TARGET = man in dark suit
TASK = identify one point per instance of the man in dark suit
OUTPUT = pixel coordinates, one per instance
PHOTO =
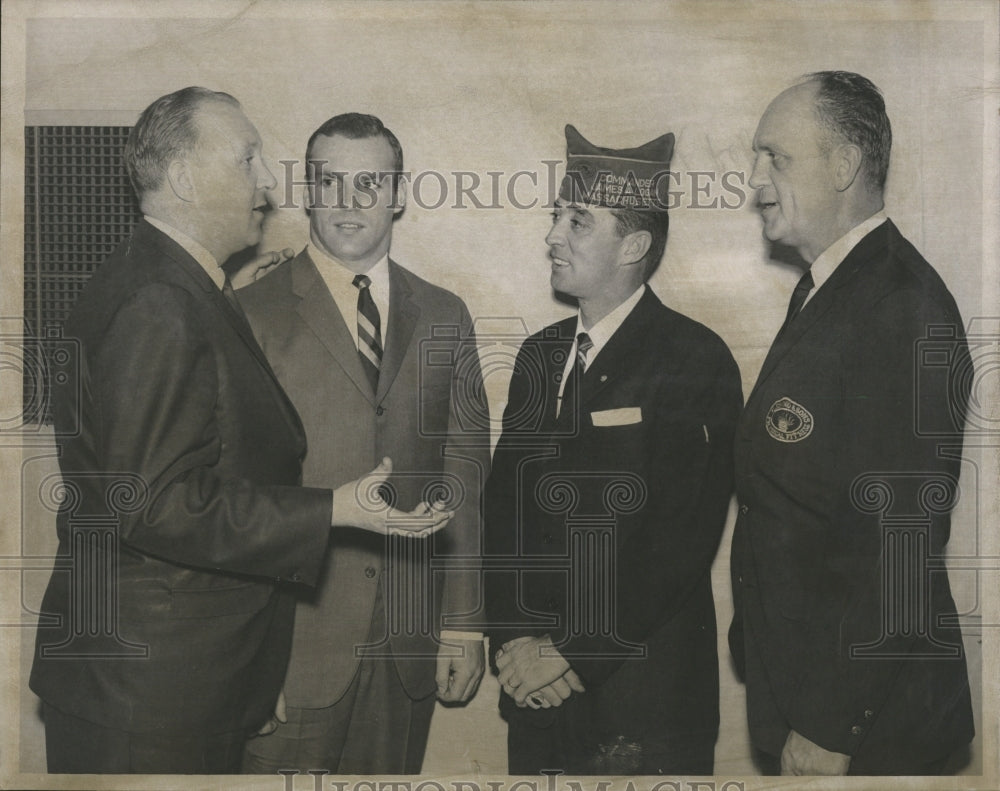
(163, 637)
(378, 362)
(845, 625)
(610, 487)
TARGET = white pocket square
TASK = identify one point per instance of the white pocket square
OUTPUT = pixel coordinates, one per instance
(625, 416)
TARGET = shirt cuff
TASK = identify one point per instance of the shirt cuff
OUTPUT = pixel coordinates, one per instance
(448, 634)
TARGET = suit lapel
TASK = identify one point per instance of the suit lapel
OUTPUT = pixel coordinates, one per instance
(553, 352)
(830, 294)
(317, 308)
(194, 274)
(185, 268)
(405, 313)
(616, 358)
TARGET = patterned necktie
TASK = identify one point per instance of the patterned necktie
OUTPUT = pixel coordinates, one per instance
(369, 331)
(805, 285)
(583, 345)
(569, 396)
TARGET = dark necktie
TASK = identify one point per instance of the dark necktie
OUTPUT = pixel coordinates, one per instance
(234, 303)
(805, 285)
(572, 386)
(369, 331)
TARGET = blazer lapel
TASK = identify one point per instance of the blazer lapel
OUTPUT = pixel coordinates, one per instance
(554, 352)
(405, 313)
(319, 311)
(192, 271)
(830, 294)
(616, 358)
(185, 267)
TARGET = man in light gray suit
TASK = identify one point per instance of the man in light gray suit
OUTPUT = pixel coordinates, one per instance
(378, 362)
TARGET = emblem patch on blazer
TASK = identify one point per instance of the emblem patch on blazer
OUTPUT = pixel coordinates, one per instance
(788, 421)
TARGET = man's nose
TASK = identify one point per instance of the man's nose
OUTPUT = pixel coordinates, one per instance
(265, 178)
(758, 176)
(356, 193)
(555, 236)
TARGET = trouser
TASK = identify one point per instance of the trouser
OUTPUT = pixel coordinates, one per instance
(76, 746)
(375, 728)
(568, 741)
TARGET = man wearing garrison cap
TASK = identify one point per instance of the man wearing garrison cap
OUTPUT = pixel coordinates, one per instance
(608, 496)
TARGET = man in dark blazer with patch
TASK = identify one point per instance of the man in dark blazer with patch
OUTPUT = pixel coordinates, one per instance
(163, 637)
(610, 487)
(847, 464)
(378, 362)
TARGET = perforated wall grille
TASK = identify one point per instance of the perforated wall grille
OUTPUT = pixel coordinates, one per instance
(78, 206)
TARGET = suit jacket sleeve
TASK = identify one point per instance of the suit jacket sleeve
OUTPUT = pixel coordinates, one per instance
(467, 459)
(689, 481)
(839, 692)
(158, 380)
(502, 498)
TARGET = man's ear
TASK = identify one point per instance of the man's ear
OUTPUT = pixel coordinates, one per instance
(846, 165)
(180, 181)
(307, 196)
(401, 193)
(635, 246)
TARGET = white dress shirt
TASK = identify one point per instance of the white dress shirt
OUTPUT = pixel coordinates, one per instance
(204, 258)
(340, 282)
(834, 255)
(599, 335)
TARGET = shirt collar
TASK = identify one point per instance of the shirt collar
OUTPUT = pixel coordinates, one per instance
(602, 331)
(378, 274)
(204, 258)
(834, 255)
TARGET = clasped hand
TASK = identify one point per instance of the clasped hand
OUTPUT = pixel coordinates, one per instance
(801, 756)
(360, 504)
(535, 674)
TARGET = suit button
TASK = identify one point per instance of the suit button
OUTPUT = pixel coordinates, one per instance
(869, 714)
(856, 730)
(369, 572)
(380, 411)
(744, 509)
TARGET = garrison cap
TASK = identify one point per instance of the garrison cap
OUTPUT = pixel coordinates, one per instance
(627, 178)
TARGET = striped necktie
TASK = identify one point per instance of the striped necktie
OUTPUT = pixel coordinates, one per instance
(583, 345)
(572, 387)
(369, 331)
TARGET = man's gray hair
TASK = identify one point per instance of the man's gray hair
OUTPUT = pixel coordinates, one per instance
(852, 108)
(165, 131)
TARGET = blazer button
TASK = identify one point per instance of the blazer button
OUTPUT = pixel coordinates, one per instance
(369, 572)
(379, 411)
(869, 714)
(856, 730)
(744, 509)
